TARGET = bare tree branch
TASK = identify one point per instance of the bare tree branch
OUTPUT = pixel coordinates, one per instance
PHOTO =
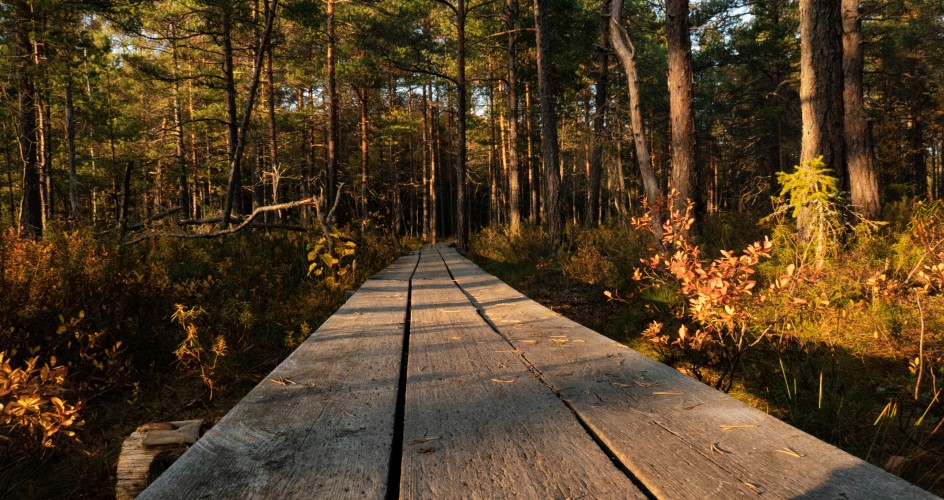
(230, 230)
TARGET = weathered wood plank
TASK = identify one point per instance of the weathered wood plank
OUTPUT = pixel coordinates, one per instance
(400, 270)
(479, 425)
(431, 266)
(679, 437)
(321, 425)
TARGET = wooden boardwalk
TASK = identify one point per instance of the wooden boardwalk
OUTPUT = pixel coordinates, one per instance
(437, 380)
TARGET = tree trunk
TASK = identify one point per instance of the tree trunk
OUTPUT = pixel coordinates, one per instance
(821, 83)
(511, 118)
(918, 152)
(682, 115)
(365, 151)
(70, 149)
(425, 153)
(623, 46)
(549, 146)
(534, 185)
(183, 186)
(863, 178)
(494, 215)
(821, 93)
(433, 162)
(275, 166)
(31, 208)
(599, 119)
(233, 190)
(333, 122)
(462, 223)
(125, 198)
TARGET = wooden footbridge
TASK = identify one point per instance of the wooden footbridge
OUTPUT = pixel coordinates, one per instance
(437, 380)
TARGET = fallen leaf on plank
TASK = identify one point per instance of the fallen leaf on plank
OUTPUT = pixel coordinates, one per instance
(502, 381)
(668, 393)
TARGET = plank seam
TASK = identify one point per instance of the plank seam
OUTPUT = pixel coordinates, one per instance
(622, 467)
(399, 415)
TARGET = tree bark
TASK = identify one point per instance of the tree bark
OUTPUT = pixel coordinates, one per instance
(425, 153)
(623, 46)
(534, 185)
(511, 118)
(333, 104)
(365, 151)
(232, 190)
(599, 118)
(681, 111)
(863, 178)
(549, 146)
(183, 186)
(462, 223)
(821, 86)
(70, 149)
(234, 187)
(274, 166)
(433, 162)
(31, 208)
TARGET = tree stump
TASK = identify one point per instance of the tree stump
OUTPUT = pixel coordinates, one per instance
(149, 451)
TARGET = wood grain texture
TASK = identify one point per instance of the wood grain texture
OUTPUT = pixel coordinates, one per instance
(478, 424)
(431, 266)
(320, 425)
(400, 270)
(680, 438)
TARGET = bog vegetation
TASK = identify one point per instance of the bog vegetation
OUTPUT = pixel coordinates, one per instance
(187, 188)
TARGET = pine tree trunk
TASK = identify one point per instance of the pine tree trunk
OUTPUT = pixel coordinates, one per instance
(333, 122)
(534, 176)
(549, 145)
(821, 86)
(232, 199)
(365, 152)
(433, 162)
(462, 211)
(623, 46)
(599, 118)
(183, 186)
(863, 178)
(511, 118)
(275, 167)
(31, 208)
(681, 111)
(70, 149)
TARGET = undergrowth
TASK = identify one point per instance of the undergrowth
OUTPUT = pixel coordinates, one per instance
(96, 339)
(843, 338)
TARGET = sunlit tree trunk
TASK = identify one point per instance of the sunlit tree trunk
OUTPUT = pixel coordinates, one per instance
(511, 117)
(863, 178)
(681, 111)
(549, 146)
(623, 46)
